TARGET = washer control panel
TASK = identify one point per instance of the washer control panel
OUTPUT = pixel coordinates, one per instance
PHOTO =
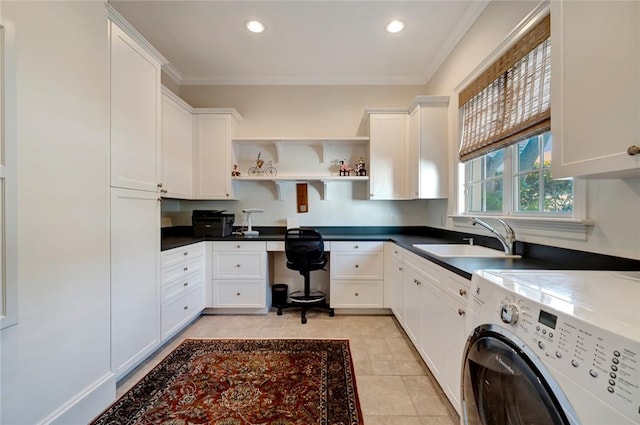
(604, 363)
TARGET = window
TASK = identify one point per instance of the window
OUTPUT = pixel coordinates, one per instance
(517, 180)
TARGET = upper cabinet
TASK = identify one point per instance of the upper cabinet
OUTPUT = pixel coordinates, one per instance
(427, 159)
(135, 114)
(177, 146)
(408, 150)
(214, 157)
(387, 135)
(595, 99)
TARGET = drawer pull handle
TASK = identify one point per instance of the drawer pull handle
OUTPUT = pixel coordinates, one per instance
(186, 307)
(238, 266)
(400, 269)
(186, 269)
(357, 266)
(186, 253)
(238, 294)
(355, 247)
(460, 312)
(462, 292)
(185, 284)
(357, 294)
(395, 252)
(633, 150)
(238, 246)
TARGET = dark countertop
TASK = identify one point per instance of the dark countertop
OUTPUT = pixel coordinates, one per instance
(534, 256)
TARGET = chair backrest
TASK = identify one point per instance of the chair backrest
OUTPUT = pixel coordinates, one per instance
(304, 249)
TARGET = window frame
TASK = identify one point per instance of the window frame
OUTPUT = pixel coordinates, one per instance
(571, 228)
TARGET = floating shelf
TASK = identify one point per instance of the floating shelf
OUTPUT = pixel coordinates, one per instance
(281, 181)
(281, 142)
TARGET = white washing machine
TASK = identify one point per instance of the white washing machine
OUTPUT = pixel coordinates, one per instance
(552, 347)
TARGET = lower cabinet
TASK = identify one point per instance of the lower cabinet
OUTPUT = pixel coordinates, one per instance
(357, 275)
(182, 287)
(434, 318)
(393, 284)
(239, 275)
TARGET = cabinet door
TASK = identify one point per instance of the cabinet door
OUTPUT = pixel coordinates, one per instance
(386, 156)
(135, 115)
(213, 156)
(412, 304)
(595, 88)
(427, 149)
(177, 149)
(135, 288)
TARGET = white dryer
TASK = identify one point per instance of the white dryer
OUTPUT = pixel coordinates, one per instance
(552, 347)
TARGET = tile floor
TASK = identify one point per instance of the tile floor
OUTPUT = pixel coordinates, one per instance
(394, 385)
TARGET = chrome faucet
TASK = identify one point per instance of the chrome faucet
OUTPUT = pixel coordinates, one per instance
(507, 240)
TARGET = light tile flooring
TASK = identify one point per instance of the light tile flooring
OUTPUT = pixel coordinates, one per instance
(394, 385)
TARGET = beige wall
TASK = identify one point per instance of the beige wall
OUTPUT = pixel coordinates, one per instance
(300, 111)
(613, 204)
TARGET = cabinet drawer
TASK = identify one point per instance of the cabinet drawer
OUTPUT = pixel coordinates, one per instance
(394, 251)
(239, 265)
(181, 271)
(357, 246)
(179, 286)
(455, 286)
(239, 246)
(357, 265)
(241, 293)
(180, 309)
(357, 294)
(174, 256)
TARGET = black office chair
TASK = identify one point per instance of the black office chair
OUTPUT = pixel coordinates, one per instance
(305, 252)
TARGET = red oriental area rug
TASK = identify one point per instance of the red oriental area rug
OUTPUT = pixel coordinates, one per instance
(245, 382)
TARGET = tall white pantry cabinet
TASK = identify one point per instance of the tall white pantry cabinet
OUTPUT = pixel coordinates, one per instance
(135, 201)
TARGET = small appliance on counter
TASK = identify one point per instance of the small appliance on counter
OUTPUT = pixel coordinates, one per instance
(212, 223)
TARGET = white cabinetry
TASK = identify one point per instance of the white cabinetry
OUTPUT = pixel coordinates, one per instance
(426, 153)
(434, 319)
(386, 154)
(135, 114)
(182, 287)
(595, 88)
(393, 284)
(239, 275)
(177, 146)
(214, 157)
(357, 275)
(135, 292)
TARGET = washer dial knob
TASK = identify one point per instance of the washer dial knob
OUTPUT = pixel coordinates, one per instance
(509, 313)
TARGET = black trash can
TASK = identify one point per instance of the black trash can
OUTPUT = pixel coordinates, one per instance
(279, 294)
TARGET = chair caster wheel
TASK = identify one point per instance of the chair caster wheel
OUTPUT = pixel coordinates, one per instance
(279, 312)
(304, 320)
(331, 313)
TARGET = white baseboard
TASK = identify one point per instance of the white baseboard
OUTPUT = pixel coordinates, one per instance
(86, 405)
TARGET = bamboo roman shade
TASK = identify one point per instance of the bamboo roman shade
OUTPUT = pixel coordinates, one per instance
(511, 99)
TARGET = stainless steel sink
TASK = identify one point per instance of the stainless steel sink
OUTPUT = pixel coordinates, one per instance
(462, 250)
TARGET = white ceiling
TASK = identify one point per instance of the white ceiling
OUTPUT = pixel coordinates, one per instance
(305, 42)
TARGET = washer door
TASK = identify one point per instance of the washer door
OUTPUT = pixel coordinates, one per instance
(503, 384)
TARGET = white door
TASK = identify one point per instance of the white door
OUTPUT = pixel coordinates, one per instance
(386, 156)
(177, 149)
(135, 288)
(213, 143)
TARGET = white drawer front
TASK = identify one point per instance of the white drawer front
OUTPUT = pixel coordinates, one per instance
(181, 271)
(394, 251)
(180, 286)
(239, 265)
(241, 294)
(455, 286)
(357, 246)
(239, 246)
(176, 311)
(357, 294)
(357, 265)
(174, 256)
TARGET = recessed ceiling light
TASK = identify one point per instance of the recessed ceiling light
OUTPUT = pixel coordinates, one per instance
(255, 26)
(395, 26)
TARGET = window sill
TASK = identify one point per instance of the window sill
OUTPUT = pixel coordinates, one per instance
(574, 229)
